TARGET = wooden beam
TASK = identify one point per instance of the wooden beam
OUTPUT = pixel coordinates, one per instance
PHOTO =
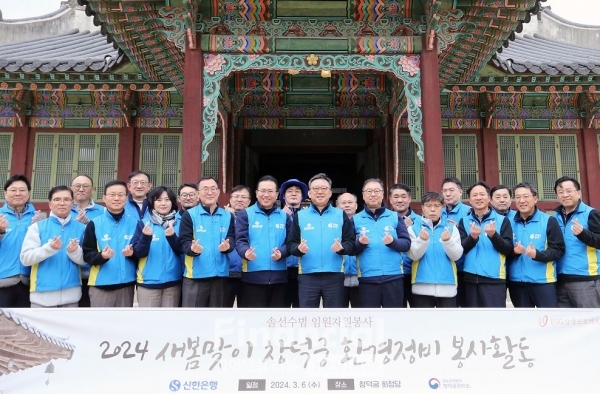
(432, 118)
(192, 135)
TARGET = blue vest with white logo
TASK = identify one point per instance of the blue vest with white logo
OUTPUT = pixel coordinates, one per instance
(435, 267)
(10, 246)
(264, 234)
(210, 231)
(484, 259)
(161, 265)
(118, 269)
(377, 259)
(320, 232)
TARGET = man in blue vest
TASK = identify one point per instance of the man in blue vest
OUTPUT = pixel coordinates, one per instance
(538, 243)
(106, 247)
(238, 201)
(381, 238)
(455, 209)
(206, 234)
(435, 247)
(291, 195)
(260, 233)
(51, 248)
(321, 235)
(578, 276)
(487, 239)
(138, 186)
(16, 215)
(501, 199)
(400, 198)
(348, 203)
(83, 210)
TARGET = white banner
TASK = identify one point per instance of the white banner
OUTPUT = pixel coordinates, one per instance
(299, 350)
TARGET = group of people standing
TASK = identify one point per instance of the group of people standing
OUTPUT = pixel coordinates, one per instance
(184, 249)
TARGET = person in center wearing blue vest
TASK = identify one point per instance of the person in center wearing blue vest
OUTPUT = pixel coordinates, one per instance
(400, 198)
(260, 233)
(348, 203)
(291, 195)
(435, 247)
(452, 190)
(487, 240)
(51, 248)
(106, 247)
(156, 245)
(538, 244)
(206, 234)
(321, 234)
(578, 283)
(381, 238)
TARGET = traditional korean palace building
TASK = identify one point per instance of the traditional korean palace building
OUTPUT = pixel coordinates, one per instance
(404, 90)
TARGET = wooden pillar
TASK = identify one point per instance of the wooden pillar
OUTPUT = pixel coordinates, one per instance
(432, 118)
(23, 141)
(491, 168)
(192, 135)
(590, 163)
(128, 155)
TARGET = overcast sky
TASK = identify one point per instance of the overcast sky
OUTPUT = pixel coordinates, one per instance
(582, 11)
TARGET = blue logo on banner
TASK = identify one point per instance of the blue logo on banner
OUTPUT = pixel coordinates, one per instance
(434, 383)
(174, 385)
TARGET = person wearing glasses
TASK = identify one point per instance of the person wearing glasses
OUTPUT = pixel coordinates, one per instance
(291, 195)
(138, 186)
(83, 210)
(239, 200)
(538, 243)
(578, 276)
(381, 238)
(16, 215)
(206, 234)
(260, 233)
(51, 247)
(321, 235)
(187, 196)
(106, 247)
(435, 247)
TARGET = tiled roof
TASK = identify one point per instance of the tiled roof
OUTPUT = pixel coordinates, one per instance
(538, 55)
(72, 51)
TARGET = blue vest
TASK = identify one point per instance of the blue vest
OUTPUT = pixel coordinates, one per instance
(579, 259)
(460, 211)
(210, 231)
(57, 272)
(435, 267)
(10, 246)
(118, 269)
(377, 259)
(523, 268)
(406, 261)
(350, 267)
(320, 232)
(264, 234)
(161, 265)
(484, 259)
(91, 212)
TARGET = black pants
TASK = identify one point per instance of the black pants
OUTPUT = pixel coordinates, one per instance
(84, 302)
(233, 290)
(351, 297)
(263, 296)
(461, 299)
(382, 295)
(485, 295)
(291, 290)
(15, 296)
(423, 301)
(530, 295)
(407, 290)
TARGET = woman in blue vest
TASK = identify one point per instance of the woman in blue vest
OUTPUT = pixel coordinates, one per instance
(156, 245)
